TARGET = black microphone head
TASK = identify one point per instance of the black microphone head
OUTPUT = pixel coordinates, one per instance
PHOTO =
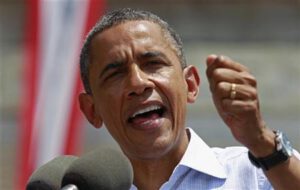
(102, 169)
(49, 175)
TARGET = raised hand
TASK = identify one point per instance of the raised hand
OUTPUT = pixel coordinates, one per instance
(234, 92)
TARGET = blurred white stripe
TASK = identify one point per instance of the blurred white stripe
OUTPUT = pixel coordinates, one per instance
(62, 25)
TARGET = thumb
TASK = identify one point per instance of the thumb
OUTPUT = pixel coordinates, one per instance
(211, 59)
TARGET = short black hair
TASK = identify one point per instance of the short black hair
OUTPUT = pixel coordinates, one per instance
(119, 16)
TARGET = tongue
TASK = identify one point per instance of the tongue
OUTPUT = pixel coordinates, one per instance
(142, 118)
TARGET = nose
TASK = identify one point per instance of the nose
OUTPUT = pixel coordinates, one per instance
(137, 82)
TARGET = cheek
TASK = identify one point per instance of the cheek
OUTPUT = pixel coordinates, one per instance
(109, 110)
(170, 76)
(110, 92)
(173, 86)
(178, 89)
(109, 104)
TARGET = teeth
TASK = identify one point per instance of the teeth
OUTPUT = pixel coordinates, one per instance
(147, 109)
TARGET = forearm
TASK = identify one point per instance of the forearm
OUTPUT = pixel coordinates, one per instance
(286, 175)
(283, 176)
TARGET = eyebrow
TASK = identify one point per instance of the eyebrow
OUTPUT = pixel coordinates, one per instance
(119, 63)
(111, 66)
(152, 54)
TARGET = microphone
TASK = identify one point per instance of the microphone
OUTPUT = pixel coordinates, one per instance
(49, 175)
(102, 169)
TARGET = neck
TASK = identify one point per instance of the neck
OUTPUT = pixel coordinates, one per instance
(151, 174)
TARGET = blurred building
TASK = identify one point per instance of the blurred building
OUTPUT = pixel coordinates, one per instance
(263, 35)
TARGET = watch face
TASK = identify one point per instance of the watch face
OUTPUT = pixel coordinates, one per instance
(286, 145)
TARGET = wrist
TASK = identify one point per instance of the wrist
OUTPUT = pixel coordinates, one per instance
(283, 151)
(264, 145)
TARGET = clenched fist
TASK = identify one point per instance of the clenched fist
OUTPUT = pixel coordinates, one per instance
(234, 92)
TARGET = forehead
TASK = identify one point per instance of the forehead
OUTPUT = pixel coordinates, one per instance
(140, 31)
(132, 27)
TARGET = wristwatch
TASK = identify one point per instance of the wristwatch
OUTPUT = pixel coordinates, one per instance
(282, 153)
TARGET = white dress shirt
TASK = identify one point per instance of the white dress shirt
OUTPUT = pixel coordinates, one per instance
(203, 168)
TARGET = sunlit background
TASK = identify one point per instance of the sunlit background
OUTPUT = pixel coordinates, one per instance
(263, 35)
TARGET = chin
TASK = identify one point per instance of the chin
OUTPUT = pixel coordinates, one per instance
(159, 149)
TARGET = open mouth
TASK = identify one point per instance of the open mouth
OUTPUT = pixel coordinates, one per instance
(149, 113)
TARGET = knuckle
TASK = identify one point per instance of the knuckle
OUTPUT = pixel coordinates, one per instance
(253, 82)
(250, 107)
(220, 88)
(216, 73)
(221, 85)
(249, 79)
(252, 94)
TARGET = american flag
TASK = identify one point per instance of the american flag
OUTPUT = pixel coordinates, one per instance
(50, 116)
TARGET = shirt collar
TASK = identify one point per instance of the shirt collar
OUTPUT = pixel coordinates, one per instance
(200, 157)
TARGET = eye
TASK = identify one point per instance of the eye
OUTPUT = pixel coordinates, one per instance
(113, 75)
(154, 63)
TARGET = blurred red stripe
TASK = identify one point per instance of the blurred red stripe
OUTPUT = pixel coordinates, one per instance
(26, 155)
(95, 10)
(29, 92)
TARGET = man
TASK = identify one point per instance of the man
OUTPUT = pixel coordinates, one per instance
(138, 84)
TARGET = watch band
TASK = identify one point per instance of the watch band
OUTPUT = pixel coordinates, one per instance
(267, 162)
(281, 153)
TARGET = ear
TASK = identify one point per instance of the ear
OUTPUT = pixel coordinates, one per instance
(192, 79)
(87, 106)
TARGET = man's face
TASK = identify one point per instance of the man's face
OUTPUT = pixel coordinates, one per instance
(139, 89)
